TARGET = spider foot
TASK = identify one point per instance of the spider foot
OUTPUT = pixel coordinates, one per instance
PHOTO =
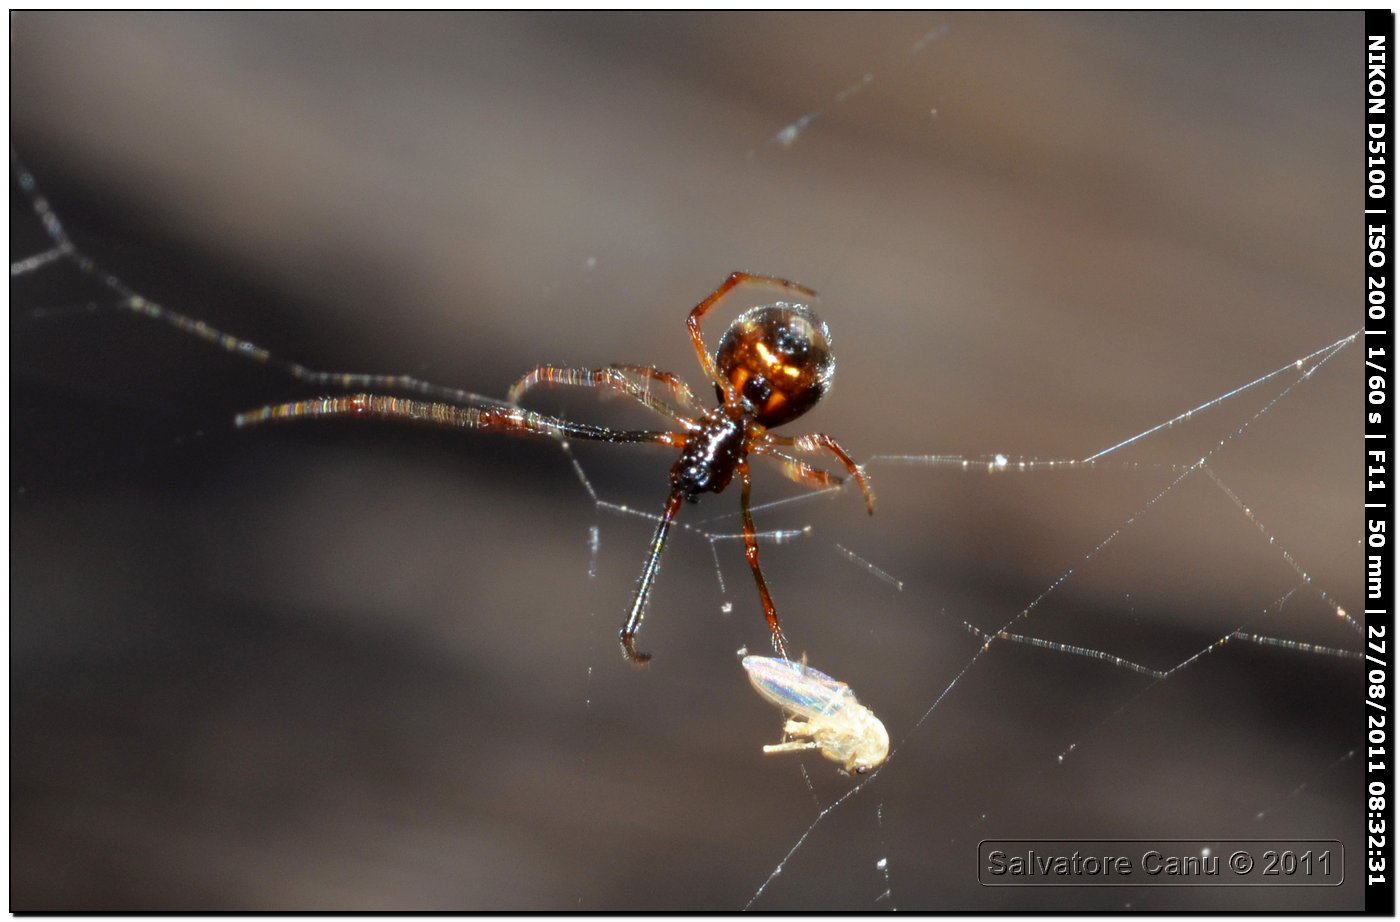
(630, 652)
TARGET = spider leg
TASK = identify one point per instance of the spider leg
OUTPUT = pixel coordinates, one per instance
(735, 279)
(490, 418)
(595, 377)
(627, 636)
(818, 441)
(797, 470)
(770, 611)
(679, 389)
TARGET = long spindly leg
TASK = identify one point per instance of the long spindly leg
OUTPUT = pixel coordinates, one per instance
(735, 279)
(770, 611)
(679, 389)
(491, 418)
(613, 378)
(799, 471)
(818, 441)
(627, 636)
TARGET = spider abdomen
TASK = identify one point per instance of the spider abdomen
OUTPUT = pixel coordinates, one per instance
(778, 358)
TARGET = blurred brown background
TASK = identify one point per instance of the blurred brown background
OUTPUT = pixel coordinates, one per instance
(351, 666)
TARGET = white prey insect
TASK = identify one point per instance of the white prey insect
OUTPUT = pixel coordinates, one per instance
(834, 722)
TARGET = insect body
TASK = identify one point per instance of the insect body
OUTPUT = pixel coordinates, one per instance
(832, 720)
(773, 364)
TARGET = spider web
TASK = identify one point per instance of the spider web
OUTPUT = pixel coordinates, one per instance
(351, 665)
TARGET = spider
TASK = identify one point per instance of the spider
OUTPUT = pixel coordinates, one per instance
(773, 364)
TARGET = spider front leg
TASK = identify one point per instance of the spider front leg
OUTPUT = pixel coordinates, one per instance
(613, 378)
(735, 279)
(679, 389)
(770, 611)
(487, 418)
(818, 441)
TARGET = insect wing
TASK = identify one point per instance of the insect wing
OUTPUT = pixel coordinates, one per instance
(800, 689)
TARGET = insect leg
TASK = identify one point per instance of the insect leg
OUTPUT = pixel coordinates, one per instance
(791, 746)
